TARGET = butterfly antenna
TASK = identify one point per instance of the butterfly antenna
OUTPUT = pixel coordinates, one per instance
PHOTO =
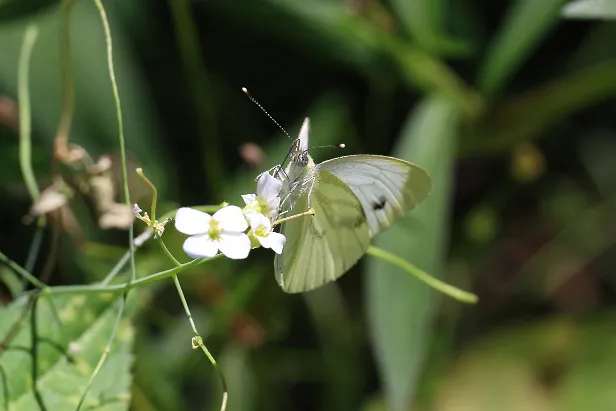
(293, 148)
(341, 145)
(245, 90)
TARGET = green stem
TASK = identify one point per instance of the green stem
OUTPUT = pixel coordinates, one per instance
(138, 242)
(438, 285)
(25, 140)
(35, 246)
(116, 97)
(22, 272)
(167, 252)
(139, 172)
(124, 259)
(106, 351)
(68, 83)
(131, 245)
(25, 114)
(200, 343)
(116, 268)
(100, 289)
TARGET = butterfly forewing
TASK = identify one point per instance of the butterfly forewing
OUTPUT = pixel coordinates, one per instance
(321, 248)
(387, 187)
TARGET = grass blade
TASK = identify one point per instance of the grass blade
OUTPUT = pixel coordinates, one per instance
(400, 308)
(590, 9)
(526, 23)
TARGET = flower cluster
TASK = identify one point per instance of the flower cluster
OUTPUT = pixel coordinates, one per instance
(225, 230)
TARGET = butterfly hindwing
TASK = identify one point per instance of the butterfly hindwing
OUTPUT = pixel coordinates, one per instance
(321, 248)
(387, 187)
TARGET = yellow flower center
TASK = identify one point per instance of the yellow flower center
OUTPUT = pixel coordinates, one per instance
(215, 230)
(253, 206)
(261, 231)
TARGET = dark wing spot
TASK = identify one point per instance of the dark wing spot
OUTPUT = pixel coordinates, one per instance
(379, 204)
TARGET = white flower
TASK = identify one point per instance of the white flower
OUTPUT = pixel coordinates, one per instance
(267, 199)
(223, 231)
(262, 230)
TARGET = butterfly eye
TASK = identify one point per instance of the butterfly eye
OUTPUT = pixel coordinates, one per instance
(303, 157)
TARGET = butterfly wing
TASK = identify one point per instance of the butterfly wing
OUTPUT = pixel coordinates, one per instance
(387, 187)
(321, 248)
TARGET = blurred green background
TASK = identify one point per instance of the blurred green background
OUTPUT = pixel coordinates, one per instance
(510, 107)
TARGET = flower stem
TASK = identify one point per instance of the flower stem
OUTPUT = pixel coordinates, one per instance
(131, 245)
(198, 342)
(115, 288)
(106, 351)
(167, 252)
(25, 115)
(68, 85)
(116, 97)
(22, 272)
(453, 292)
(142, 238)
(293, 217)
(139, 172)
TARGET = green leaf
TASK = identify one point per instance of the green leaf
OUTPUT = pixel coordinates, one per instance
(425, 20)
(526, 24)
(590, 9)
(68, 335)
(400, 308)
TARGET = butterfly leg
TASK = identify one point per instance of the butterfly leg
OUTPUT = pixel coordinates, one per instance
(311, 182)
(283, 202)
(276, 169)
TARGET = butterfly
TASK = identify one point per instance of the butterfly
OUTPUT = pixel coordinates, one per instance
(354, 198)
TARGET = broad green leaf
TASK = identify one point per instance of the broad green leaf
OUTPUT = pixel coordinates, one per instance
(525, 25)
(425, 20)
(67, 348)
(400, 309)
(590, 9)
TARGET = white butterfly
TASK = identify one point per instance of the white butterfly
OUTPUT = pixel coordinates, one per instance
(354, 198)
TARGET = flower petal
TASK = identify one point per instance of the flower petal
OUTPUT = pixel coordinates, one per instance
(258, 220)
(273, 205)
(268, 187)
(199, 246)
(191, 222)
(275, 241)
(231, 218)
(249, 198)
(235, 246)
